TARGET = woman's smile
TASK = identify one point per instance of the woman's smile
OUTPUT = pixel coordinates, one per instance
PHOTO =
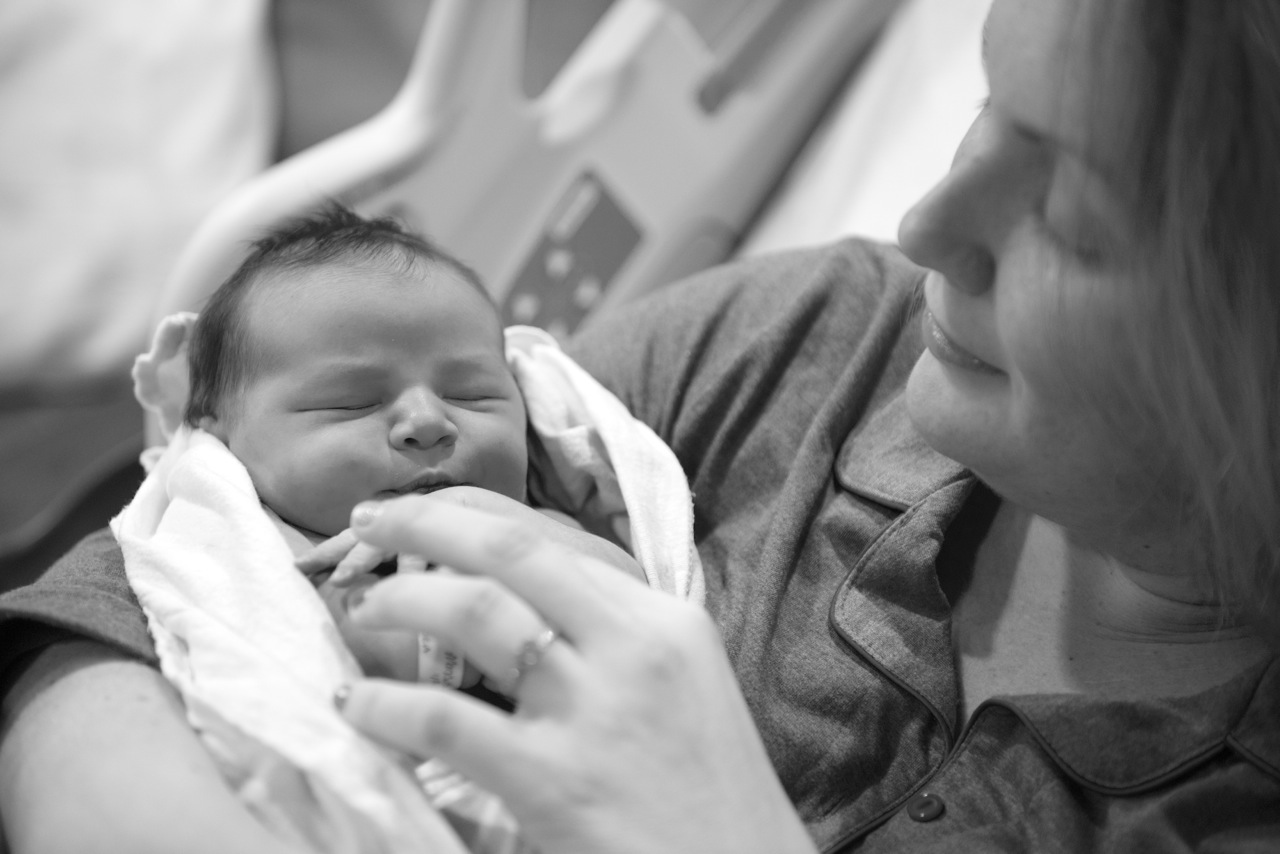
(946, 350)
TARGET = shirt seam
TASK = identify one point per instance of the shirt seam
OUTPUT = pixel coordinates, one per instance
(1253, 757)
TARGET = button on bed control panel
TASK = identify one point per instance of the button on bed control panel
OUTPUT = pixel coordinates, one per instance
(587, 240)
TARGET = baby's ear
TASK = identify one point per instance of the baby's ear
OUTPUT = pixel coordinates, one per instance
(160, 375)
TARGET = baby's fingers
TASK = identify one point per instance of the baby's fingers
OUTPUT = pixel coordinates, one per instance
(362, 558)
(327, 554)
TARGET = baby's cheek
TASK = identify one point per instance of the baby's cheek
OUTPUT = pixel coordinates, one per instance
(320, 496)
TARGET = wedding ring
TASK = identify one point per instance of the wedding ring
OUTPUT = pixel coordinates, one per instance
(530, 655)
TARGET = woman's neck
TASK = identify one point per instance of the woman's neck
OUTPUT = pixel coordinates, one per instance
(1043, 612)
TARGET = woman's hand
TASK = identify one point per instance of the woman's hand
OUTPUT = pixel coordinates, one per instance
(630, 733)
(350, 557)
(347, 556)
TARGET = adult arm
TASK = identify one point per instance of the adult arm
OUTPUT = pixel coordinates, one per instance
(630, 733)
(96, 756)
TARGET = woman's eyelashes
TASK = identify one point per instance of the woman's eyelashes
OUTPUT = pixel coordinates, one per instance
(1080, 251)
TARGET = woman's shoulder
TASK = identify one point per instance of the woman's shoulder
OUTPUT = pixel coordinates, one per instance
(852, 271)
(755, 308)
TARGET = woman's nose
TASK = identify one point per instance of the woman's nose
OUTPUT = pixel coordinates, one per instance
(953, 228)
(421, 421)
(943, 231)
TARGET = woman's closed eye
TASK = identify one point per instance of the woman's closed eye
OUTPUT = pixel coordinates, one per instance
(1078, 249)
(1080, 218)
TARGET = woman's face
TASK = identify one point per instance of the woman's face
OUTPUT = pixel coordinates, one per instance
(1031, 239)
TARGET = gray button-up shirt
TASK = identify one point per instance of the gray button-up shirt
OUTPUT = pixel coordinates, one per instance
(823, 521)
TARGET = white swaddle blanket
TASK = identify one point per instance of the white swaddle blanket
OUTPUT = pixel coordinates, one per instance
(253, 651)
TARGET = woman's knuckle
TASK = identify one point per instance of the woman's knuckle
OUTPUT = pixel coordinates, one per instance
(573, 783)
(438, 734)
(510, 542)
(664, 648)
(482, 605)
(660, 659)
(694, 623)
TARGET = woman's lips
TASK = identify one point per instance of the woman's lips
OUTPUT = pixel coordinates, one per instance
(946, 350)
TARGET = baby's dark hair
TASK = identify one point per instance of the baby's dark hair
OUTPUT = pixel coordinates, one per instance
(220, 358)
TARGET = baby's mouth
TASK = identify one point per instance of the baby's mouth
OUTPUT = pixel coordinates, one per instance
(422, 486)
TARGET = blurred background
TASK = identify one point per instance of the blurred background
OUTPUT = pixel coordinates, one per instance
(585, 151)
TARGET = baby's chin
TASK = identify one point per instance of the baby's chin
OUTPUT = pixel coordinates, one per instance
(320, 533)
(317, 530)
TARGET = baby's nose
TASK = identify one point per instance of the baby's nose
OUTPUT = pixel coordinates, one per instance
(422, 421)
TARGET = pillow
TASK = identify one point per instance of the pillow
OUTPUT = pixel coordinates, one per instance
(125, 122)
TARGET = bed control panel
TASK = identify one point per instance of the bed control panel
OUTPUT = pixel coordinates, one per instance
(587, 240)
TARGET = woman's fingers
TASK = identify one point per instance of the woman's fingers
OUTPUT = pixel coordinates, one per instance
(510, 755)
(578, 594)
(567, 531)
(492, 628)
(655, 748)
(478, 740)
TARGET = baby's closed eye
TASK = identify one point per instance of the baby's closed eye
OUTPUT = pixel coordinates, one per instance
(339, 405)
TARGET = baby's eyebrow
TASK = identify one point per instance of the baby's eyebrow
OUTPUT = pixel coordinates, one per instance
(327, 375)
(346, 368)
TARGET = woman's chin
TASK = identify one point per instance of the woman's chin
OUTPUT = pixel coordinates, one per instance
(959, 416)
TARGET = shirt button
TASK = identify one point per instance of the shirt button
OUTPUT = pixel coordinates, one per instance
(925, 806)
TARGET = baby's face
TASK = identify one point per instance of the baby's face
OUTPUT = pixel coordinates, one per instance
(370, 384)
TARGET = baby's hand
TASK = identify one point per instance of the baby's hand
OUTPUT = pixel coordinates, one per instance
(347, 555)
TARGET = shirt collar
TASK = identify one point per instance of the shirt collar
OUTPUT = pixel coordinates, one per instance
(888, 461)
(1109, 745)
(1128, 746)
(897, 615)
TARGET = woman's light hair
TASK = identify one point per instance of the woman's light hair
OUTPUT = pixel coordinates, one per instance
(1206, 327)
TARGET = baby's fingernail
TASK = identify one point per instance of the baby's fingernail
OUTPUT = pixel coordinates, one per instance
(341, 696)
(354, 598)
(365, 513)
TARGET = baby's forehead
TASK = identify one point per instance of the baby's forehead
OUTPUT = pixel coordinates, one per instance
(421, 280)
(344, 299)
